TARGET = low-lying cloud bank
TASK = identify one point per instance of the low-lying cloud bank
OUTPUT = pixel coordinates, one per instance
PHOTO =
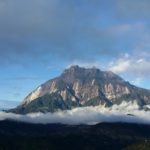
(126, 112)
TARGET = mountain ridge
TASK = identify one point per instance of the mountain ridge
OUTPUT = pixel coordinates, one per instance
(78, 87)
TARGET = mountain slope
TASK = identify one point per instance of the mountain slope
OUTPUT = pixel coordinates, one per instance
(77, 87)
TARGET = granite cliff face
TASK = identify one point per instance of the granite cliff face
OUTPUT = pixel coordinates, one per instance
(77, 87)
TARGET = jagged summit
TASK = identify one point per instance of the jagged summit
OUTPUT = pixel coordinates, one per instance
(77, 72)
(78, 87)
(81, 71)
(76, 68)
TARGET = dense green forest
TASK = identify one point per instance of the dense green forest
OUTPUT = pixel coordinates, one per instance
(104, 136)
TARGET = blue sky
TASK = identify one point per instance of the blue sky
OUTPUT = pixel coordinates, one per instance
(38, 39)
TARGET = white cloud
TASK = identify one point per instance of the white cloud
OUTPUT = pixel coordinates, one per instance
(137, 67)
(87, 115)
(140, 60)
(120, 66)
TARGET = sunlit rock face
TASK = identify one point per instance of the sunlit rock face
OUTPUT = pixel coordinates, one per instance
(77, 87)
(115, 91)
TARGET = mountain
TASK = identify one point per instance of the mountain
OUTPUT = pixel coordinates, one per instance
(78, 87)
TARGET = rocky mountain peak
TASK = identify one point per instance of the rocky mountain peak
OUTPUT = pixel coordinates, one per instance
(78, 86)
(70, 75)
(81, 72)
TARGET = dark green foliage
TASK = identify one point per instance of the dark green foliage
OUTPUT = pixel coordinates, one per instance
(130, 98)
(145, 145)
(97, 101)
(104, 136)
(93, 102)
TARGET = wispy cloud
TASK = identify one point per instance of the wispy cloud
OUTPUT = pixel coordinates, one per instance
(133, 66)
